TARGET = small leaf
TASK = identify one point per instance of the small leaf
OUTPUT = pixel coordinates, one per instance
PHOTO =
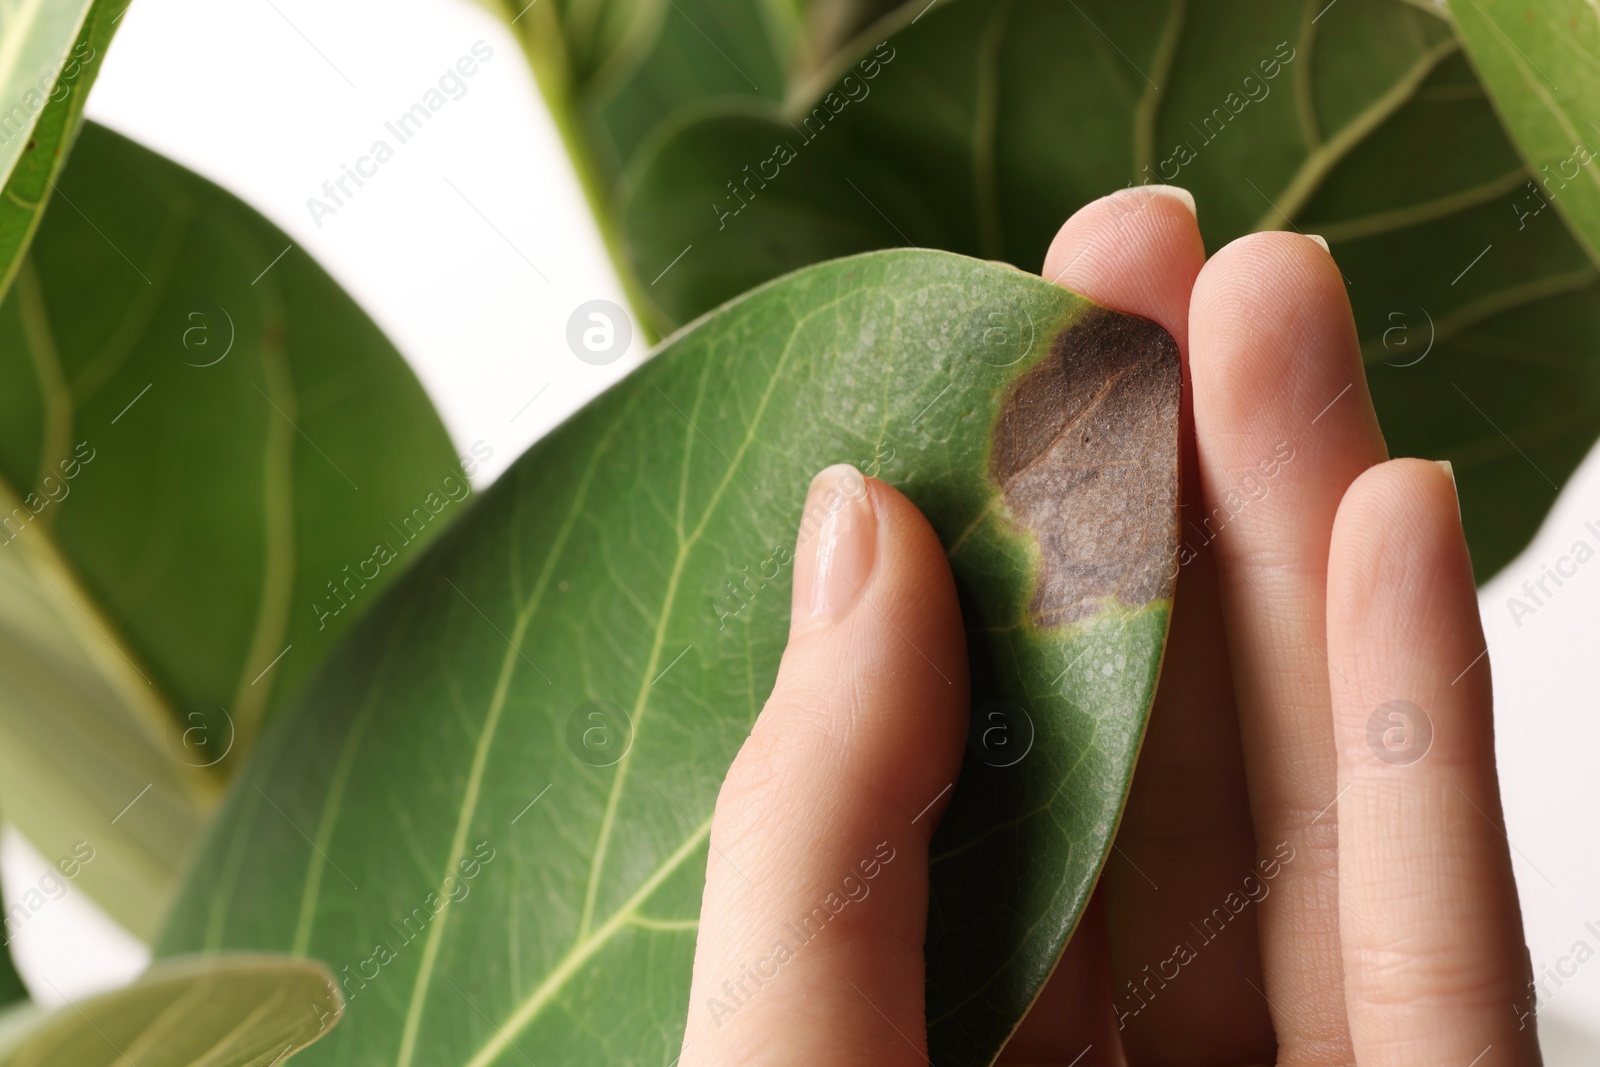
(203, 442)
(493, 879)
(230, 1011)
(51, 57)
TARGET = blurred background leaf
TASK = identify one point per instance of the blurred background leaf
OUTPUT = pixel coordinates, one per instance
(978, 126)
(203, 445)
(216, 1011)
(613, 71)
(50, 52)
(1541, 65)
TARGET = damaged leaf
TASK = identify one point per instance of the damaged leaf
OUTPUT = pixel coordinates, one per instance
(525, 894)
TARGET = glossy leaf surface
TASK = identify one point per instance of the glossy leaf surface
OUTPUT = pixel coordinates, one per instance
(505, 777)
(201, 440)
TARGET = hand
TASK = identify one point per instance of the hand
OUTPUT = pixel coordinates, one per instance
(1291, 882)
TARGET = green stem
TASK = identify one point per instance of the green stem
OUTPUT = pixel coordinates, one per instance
(542, 46)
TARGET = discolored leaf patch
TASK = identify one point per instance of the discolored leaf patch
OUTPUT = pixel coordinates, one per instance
(1086, 452)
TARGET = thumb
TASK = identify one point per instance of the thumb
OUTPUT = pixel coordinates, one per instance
(816, 898)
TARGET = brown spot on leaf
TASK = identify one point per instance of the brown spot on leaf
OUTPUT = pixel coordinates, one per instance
(1086, 454)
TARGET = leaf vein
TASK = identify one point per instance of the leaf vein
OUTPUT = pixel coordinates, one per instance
(1319, 163)
(480, 756)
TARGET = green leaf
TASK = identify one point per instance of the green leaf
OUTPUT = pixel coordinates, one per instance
(980, 125)
(231, 1011)
(613, 70)
(50, 54)
(188, 406)
(1538, 62)
(486, 887)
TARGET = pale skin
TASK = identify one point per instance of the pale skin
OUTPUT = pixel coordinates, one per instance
(1391, 938)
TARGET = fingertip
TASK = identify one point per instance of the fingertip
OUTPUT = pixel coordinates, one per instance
(1262, 305)
(876, 662)
(921, 574)
(836, 549)
(1137, 250)
(909, 624)
(1397, 534)
(1402, 606)
(1262, 271)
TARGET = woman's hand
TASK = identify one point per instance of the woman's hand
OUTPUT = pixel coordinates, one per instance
(1311, 869)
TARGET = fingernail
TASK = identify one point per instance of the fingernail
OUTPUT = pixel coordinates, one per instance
(1175, 192)
(1450, 472)
(836, 546)
(1323, 241)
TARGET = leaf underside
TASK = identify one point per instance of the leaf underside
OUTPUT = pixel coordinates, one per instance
(992, 120)
(482, 889)
(182, 435)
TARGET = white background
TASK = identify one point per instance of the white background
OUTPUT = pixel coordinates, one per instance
(445, 248)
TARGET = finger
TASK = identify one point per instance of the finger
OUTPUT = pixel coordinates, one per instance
(1283, 425)
(1435, 969)
(816, 895)
(1185, 842)
(1137, 250)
